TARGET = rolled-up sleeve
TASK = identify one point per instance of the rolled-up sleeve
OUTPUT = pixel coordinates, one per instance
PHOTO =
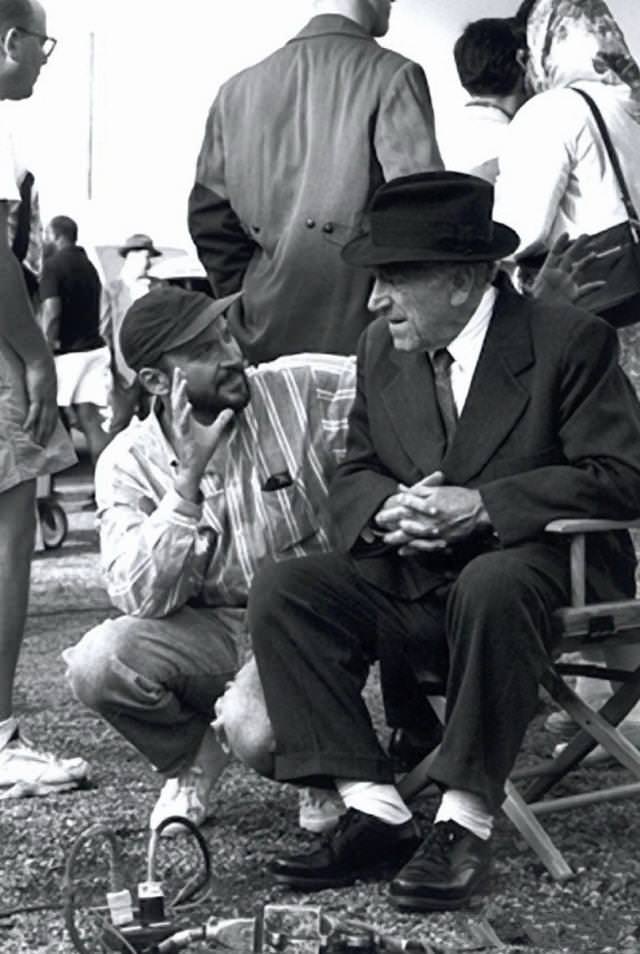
(153, 554)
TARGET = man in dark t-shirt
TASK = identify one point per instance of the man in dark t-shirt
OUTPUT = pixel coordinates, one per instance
(70, 290)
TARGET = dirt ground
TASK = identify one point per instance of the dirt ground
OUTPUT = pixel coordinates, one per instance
(596, 911)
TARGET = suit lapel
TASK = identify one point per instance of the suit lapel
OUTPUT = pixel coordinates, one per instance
(409, 397)
(496, 400)
(498, 396)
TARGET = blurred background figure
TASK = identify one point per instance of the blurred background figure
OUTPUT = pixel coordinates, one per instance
(118, 295)
(26, 228)
(293, 149)
(555, 176)
(181, 271)
(32, 439)
(70, 290)
(490, 57)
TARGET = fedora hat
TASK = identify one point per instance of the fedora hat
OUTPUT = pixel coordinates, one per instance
(431, 217)
(138, 242)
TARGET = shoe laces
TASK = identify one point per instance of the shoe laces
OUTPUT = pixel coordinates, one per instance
(344, 822)
(438, 842)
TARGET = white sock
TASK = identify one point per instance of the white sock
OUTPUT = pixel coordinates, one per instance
(7, 729)
(372, 798)
(467, 810)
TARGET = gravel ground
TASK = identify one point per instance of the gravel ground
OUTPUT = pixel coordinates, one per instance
(598, 910)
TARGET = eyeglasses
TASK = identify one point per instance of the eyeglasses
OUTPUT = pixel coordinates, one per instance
(48, 43)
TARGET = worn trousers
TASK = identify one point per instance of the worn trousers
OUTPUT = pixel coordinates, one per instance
(156, 680)
(316, 626)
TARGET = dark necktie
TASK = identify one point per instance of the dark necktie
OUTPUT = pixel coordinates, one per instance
(441, 362)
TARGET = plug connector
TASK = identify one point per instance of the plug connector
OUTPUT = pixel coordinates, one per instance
(150, 902)
(120, 907)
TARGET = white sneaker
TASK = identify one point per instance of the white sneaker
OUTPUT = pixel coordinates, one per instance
(26, 771)
(319, 810)
(187, 795)
(630, 729)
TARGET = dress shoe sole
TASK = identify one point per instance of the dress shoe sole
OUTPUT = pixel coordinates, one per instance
(302, 883)
(411, 902)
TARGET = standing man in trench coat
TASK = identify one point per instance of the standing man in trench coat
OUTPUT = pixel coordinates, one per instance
(294, 148)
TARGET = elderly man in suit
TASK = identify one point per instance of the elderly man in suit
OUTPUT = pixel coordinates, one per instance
(294, 147)
(479, 416)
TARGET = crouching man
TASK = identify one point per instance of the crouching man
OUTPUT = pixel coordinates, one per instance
(232, 466)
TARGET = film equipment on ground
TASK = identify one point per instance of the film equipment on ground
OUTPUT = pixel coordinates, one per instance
(144, 921)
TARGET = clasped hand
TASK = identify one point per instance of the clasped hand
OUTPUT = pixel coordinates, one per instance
(429, 516)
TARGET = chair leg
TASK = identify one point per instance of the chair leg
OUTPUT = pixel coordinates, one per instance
(596, 727)
(418, 778)
(521, 816)
(514, 807)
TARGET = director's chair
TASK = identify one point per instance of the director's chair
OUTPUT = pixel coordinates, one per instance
(581, 627)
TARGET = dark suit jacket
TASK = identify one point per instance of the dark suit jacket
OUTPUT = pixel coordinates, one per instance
(293, 149)
(550, 428)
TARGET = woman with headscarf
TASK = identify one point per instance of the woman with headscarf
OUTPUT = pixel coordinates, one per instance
(555, 175)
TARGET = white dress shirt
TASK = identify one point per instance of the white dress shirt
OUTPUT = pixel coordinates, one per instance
(466, 347)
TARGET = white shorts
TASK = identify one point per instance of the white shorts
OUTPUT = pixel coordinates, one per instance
(84, 377)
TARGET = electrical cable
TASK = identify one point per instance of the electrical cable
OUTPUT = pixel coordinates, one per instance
(69, 885)
(195, 884)
(190, 895)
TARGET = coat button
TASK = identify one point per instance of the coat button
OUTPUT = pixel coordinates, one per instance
(328, 227)
(310, 223)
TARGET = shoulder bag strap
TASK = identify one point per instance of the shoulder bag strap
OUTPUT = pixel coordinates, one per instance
(632, 215)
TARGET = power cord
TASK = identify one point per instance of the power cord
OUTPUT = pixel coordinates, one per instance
(187, 894)
(123, 927)
(69, 884)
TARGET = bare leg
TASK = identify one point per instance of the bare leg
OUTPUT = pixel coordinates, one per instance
(17, 533)
(90, 421)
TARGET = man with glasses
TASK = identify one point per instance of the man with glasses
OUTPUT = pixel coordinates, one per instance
(32, 440)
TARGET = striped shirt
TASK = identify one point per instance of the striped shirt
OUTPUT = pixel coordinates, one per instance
(264, 491)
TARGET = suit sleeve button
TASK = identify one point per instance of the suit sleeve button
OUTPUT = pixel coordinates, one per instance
(310, 223)
(328, 227)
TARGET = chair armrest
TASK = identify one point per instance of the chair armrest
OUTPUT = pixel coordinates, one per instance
(576, 528)
(569, 525)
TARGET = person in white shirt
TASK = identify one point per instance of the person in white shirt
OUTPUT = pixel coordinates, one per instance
(554, 173)
(555, 176)
(490, 57)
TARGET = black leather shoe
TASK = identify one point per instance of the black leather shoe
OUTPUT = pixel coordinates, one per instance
(449, 867)
(361, 846)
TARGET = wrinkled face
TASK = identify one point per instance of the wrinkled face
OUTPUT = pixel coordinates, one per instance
(381, 11)
(213, 365)
(420, 303)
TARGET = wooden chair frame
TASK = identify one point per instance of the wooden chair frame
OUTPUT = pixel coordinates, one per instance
(581, 627)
